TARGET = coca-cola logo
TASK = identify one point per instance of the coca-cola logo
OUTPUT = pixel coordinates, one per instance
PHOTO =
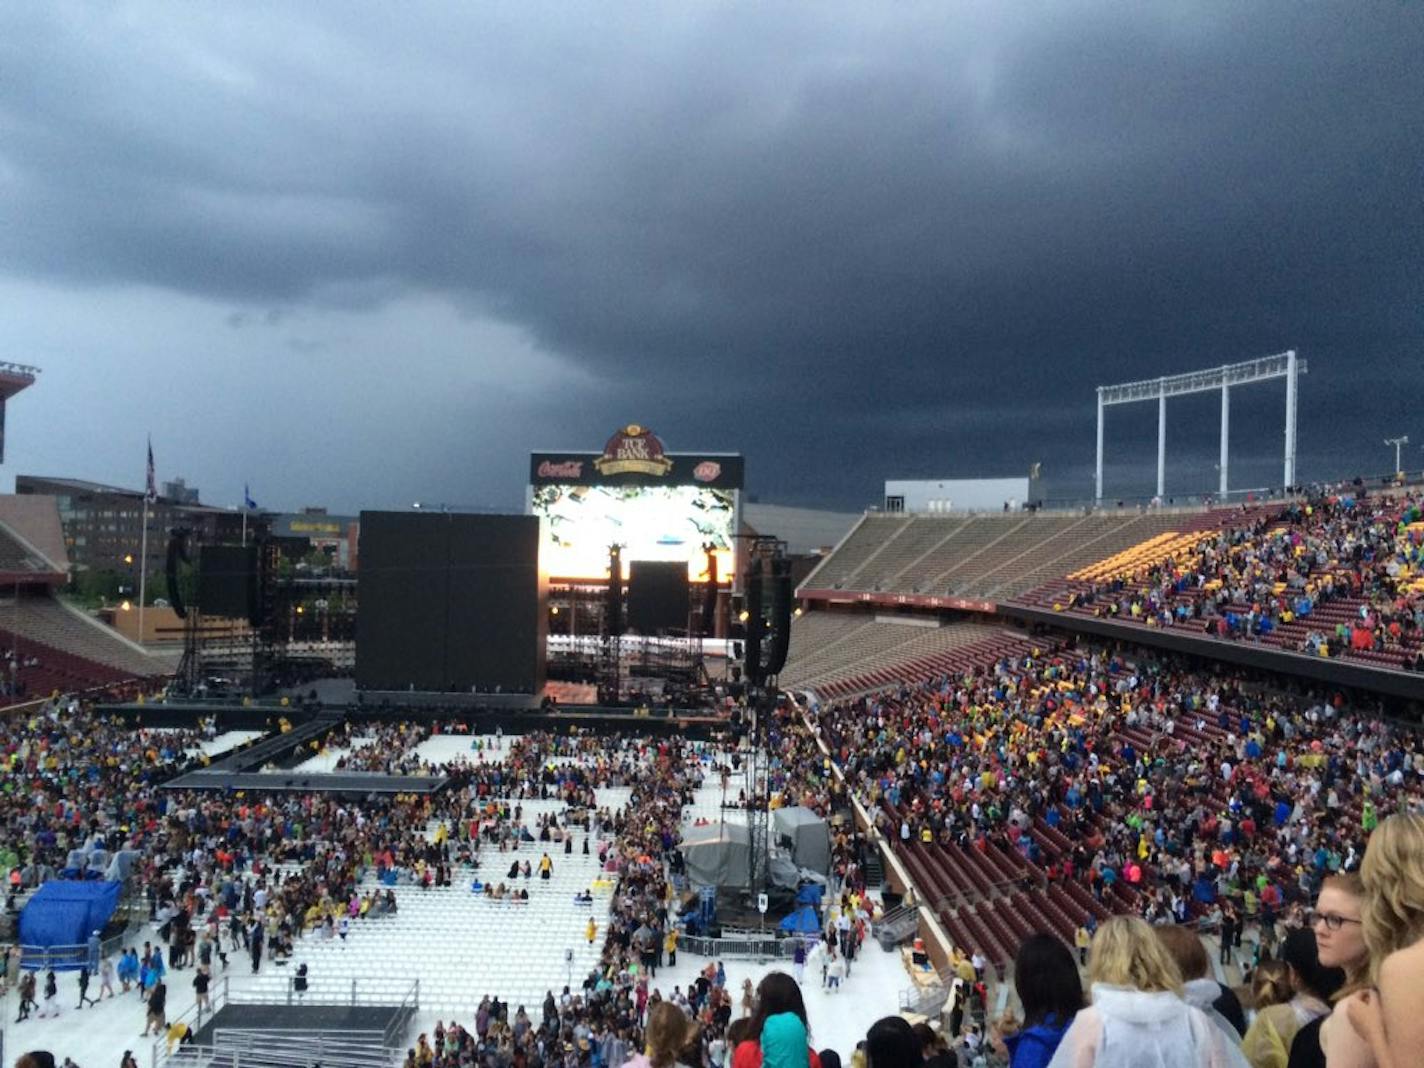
(707, 471)
(562, 469)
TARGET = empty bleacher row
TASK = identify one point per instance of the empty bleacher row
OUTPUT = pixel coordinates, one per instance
(838, 655)
(987, 556)
(56, 648)
(828, 646)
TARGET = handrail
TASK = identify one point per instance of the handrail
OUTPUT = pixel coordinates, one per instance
(69, 957)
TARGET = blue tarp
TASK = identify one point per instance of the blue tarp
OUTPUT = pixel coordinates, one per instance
(65, 913)
(810, 894)
(803, 921)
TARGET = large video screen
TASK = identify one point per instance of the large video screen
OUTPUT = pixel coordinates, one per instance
(577, 524)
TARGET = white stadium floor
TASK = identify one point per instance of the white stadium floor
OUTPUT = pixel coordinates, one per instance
(460, 947)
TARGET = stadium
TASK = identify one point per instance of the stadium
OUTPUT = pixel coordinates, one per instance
(731, 535)
(679, 757)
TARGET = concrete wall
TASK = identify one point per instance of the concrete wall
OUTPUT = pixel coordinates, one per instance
(959, 495)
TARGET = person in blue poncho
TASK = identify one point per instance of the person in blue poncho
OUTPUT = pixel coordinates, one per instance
(1051, 992)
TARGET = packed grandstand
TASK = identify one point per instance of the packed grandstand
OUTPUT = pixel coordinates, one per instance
(982, 711)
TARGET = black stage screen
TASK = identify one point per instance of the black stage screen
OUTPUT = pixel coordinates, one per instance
(227, 580)
(449, 603)
(657, 596)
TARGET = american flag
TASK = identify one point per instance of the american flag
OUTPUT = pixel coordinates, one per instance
(152, 481)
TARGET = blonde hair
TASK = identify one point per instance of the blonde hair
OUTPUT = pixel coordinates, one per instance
(666, 1033)
(1125, 952)
(1186, 949)
(1392, 911)
(1271, 985)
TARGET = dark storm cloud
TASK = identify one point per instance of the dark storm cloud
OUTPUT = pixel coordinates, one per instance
(906, 239)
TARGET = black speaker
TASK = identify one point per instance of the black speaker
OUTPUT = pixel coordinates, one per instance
(264, 600)
(227, 581)
(756, 625)
(177, 552)
(657, 596)
(780, 616)
(615, 592)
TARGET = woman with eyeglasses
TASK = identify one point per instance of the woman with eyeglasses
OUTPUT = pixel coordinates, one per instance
(1339, 943)
(1388, 1016)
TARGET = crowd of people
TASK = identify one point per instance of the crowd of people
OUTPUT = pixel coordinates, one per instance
(1208, 796)
(1279, 565)
(1221, 802)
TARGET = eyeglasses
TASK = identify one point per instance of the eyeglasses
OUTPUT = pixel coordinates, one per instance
(1331, 920)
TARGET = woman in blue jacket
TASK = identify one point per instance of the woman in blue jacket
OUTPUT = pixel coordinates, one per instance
(1051, 993)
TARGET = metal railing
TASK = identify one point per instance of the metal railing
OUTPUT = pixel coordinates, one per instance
(234, 1047)
(72, 957)
(192, 1017)
(302, 1049)
(766, 947)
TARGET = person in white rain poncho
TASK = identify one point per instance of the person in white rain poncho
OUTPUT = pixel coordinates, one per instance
(1139, 1018)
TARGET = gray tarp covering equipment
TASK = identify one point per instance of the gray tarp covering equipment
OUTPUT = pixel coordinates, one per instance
(717, 854)
(122, 864)
(806, 835)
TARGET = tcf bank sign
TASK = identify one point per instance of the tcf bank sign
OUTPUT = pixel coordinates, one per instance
(634, 450)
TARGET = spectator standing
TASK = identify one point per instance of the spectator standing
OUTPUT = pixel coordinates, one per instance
(51, 995)
(27, 996)
(1219, 1004)
(84, 988)
(1389, 1016)
(157, 1009)
(1340, 942)
(1138, 1015)
(891, 1043)
(664, 1038)
(1051, 994)
(777, 994)
(1307, 990)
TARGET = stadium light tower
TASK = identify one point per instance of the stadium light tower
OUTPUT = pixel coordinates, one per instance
(13, 378)
(1285, 365)
(1398, 444)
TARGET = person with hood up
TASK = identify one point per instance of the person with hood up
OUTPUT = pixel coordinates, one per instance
(1221, 1006)
(1139, 1017)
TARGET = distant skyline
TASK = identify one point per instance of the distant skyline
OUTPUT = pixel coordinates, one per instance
(364, 256)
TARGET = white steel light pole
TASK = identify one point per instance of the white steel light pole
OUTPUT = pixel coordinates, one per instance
(1226, 378)
(1398, 444)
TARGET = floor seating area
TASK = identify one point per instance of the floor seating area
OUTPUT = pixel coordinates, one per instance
(459, 944)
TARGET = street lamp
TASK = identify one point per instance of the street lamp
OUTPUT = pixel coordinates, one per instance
(1398, 443)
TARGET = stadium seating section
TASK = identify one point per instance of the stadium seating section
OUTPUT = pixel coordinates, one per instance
(989, 557)
(59, 649)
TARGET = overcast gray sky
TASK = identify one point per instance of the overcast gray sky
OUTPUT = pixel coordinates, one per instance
(361, 255)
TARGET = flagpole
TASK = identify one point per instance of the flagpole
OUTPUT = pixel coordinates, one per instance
(142, 568)
(244, 526)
